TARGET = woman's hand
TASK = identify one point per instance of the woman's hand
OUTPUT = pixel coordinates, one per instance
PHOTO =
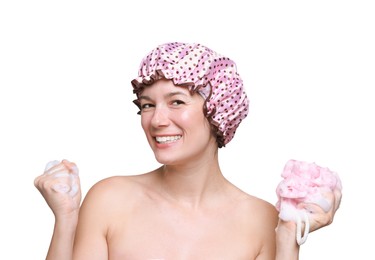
(319, 217)
(60, 187)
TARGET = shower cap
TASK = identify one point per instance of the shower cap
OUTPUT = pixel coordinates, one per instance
(201, 70)
(304, 182)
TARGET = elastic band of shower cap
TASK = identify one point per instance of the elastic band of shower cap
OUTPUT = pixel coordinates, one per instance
(204, 71)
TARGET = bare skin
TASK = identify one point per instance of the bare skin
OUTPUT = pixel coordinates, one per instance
(141, 221)
(185, 209)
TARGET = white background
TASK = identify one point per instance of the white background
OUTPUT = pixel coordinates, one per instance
(65, 72)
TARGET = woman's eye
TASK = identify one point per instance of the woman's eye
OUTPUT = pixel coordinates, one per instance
(145, 106)
(177, 102)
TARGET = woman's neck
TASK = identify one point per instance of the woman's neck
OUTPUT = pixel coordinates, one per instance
(193, 185)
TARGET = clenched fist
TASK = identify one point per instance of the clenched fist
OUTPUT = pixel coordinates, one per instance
(60, 187)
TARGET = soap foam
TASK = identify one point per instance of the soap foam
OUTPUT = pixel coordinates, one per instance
(67, 179)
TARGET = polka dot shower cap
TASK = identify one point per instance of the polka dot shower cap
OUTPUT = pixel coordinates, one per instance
(204, 71)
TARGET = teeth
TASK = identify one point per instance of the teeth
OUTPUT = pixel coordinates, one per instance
(167, 139)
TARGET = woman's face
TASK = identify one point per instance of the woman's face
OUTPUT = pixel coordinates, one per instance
(174, 123)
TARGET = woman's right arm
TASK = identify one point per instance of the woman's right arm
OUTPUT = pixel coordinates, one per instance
(60, 187)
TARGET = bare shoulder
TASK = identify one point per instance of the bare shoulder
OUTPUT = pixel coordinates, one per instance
(114, 184)
(257, 214)
(263, 209)
(258, 219)
(117, 190)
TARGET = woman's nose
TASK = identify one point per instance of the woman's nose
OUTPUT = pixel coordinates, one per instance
(160, 117)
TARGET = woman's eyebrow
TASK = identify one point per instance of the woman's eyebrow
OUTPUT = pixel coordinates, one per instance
(144, 97)
(175, 93)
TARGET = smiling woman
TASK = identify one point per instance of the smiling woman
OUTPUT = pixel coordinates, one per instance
(191, 102)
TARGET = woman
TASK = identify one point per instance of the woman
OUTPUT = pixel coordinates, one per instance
(191, 102)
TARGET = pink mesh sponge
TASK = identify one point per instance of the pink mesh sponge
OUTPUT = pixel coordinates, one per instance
(304, 182)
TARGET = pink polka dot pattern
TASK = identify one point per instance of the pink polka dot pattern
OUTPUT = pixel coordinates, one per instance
(203, 70)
